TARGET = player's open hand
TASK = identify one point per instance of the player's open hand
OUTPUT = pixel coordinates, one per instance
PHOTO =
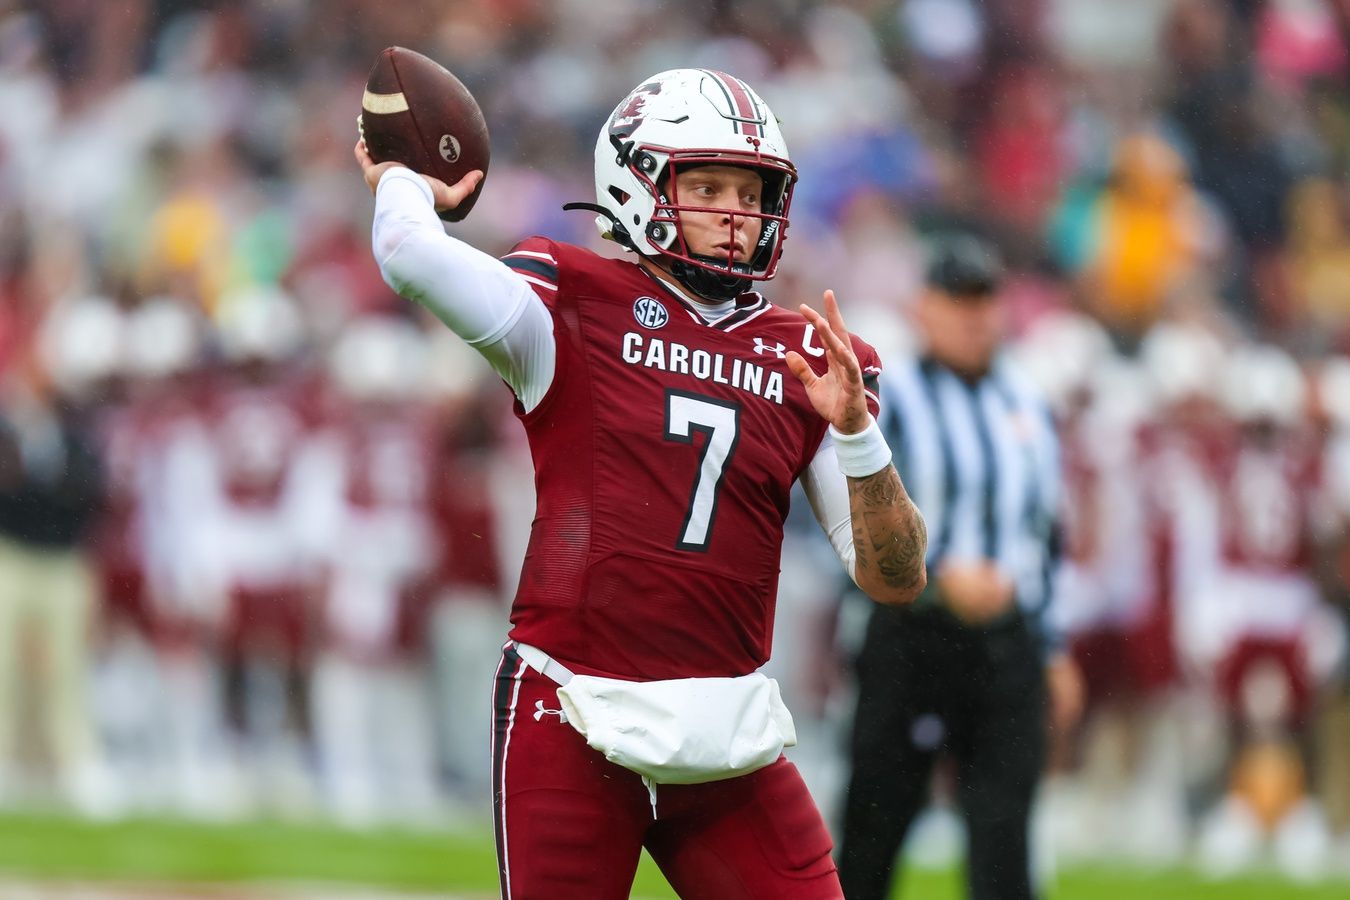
(445, 196)
(838, 394)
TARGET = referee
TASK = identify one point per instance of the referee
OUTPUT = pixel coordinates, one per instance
(967, 670)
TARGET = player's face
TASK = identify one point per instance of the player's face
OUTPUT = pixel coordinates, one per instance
(729, 189)
(962, 332)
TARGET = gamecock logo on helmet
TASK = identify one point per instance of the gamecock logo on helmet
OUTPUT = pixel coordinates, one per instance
(628, 116)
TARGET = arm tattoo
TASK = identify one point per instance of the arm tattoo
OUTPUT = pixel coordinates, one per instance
(890, 538)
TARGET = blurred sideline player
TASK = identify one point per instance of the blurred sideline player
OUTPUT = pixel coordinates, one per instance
(1116, 787)
(260, 528)
(666, 433)
(1256, 627)
(373, 711)
(158, 694)
(51, 484)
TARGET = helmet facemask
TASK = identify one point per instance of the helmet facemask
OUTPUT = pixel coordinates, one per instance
(676, 121)
(716, 277)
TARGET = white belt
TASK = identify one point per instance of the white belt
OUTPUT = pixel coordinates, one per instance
(544, 664)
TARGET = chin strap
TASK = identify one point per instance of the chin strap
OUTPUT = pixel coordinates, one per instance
(709, 285)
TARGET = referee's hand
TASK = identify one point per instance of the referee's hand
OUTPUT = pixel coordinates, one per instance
(977, 592)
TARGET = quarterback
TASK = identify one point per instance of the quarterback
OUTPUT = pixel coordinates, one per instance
(669, 408)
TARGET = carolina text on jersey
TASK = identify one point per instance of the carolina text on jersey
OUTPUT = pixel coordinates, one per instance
(654, 353)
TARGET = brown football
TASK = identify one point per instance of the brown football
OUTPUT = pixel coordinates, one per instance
(417, 113)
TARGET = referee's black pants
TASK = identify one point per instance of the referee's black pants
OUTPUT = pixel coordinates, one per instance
(927, 685)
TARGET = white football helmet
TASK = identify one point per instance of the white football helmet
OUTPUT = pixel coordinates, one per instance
(379, 358)
(1061, 352)
(80, 342)
(259, 322)
(163, 338)
(673, 121)
(1262, 383)
(1182, 361)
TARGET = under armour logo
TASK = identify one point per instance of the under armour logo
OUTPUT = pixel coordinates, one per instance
(540, 711)
(779, 350)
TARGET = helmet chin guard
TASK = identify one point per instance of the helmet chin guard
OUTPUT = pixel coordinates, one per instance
(708, 281)
(674, 121)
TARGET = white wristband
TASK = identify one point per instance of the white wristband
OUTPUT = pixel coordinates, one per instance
(862, 454)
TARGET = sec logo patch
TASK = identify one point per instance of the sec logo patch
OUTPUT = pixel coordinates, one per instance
(650, 312)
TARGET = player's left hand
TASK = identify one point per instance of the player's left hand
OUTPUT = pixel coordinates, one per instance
(838, 394)
(1064, 685)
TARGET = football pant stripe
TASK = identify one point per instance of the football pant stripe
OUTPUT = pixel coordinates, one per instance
(505, 694)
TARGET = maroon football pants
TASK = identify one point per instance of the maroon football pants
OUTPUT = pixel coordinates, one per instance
(571, 824)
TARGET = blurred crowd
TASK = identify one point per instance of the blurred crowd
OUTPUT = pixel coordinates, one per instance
(259, 518)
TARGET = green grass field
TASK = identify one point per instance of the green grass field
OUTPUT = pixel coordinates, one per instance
(34, 848)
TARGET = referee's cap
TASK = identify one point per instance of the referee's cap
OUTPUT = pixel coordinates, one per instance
(963, 265)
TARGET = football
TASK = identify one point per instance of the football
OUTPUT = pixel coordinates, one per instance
(414, 111)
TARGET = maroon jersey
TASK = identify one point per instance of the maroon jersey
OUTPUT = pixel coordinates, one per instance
(256, 430)
(1266, 490)
(664, 453)
(116, 541)
(388, 460)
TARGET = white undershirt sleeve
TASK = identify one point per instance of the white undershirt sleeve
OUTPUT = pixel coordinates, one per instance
(478, 296)
(827, 491)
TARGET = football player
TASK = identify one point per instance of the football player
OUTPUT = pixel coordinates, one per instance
(371, 708)
(669, 408)
(259, 561)
(1256, 628)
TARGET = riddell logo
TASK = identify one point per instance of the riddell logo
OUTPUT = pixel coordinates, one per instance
(650, 312)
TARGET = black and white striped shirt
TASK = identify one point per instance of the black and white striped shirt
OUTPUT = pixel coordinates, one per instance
(981, 461)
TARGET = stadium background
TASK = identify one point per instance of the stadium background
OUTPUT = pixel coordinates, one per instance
(257, 648)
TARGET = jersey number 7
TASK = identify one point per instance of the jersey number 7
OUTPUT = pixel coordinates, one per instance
(719, 422)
